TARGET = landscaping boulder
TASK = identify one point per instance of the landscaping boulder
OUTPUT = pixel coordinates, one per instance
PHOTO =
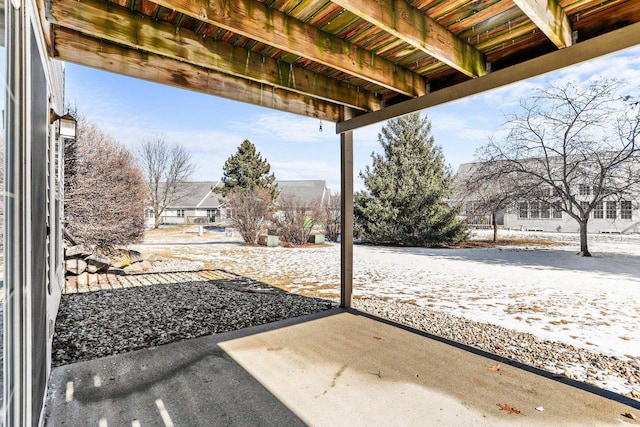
(134, 268)
(135, 256)
(97, 262)
(78, 251)
(146, 265)
(75, 266)
(118, 258)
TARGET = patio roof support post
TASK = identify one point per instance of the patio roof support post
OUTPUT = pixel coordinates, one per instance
(346, 208)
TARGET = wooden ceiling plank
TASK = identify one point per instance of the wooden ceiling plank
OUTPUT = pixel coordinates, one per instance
(604, 44)
(81, 49)
(255, 20)
(409, 24)
(552, 20)
(121, 26)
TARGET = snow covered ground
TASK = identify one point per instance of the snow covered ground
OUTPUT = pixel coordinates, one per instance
(548, 291)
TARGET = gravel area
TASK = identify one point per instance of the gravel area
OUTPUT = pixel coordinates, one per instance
(112, 321)
(107, 322)
(563, 359)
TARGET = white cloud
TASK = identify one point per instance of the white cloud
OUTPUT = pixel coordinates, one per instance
(287, 128)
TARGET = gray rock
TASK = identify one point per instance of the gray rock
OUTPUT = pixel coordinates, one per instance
(75, 266)
(97, 262)
(78, 251)
(146, 265)
(135, 256)
(134, 268)
(118, 257)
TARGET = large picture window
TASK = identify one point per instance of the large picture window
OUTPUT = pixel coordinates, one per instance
(584, 189)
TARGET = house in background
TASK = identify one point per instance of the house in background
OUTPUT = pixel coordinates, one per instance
(609, 216)
(306, 190)
(198, 204)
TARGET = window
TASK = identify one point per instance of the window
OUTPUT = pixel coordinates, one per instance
(522, 210)
(611, 210)
(545, 211)
(584, 206)
(625, 209)
(584, 189)
(212, 213)
(535, 210)
(180, 213)
(557, 213)
(598, 210)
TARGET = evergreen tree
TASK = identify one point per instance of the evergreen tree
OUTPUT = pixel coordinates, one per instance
(246, 170)
(406, 187)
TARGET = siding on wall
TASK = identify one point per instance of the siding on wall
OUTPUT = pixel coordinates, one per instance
(569, 225)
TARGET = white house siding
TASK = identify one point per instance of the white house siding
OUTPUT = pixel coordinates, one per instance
(513, 220)
(570, 225)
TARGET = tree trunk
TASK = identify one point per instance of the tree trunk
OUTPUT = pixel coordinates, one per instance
(156, 220)
(584, 251)
(494, 222)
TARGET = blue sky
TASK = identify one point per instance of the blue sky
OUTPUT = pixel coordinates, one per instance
(211, 128)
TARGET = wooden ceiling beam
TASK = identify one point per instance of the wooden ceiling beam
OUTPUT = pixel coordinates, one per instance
(253, 19)
(604, 44)
(550, 17)
(407, 23)
(119, 25)
(81, 49)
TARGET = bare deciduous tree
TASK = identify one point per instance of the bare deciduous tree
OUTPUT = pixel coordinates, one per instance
(248, 210)
(332, 216)
(295, 218)
(571, 148)
(485, 197)
(106, 193)
(165, 168)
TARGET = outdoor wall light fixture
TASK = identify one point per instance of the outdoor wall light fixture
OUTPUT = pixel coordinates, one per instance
(66, 124)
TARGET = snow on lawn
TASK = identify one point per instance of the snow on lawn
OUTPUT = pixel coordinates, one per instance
(548, 291)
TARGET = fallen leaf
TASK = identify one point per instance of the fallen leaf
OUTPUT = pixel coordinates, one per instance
(377, 338)
(510, 409)
(629, 415)
(495, 368)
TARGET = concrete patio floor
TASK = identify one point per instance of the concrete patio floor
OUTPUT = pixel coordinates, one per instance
(339, 367)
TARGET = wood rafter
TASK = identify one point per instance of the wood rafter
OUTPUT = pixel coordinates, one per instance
(613, 41)
(407, 23)
(256, 21)
(119, 25)
(81, 49)
(549, 16)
